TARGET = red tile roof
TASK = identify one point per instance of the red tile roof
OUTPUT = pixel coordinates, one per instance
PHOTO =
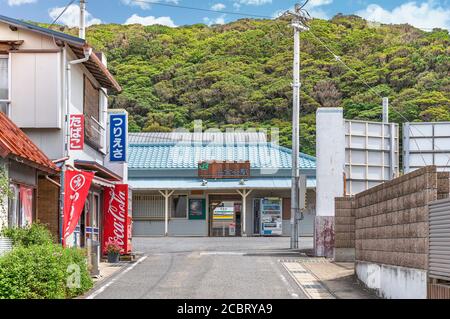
(14, 142)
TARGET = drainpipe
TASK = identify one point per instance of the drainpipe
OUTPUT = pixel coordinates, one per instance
(68, 65)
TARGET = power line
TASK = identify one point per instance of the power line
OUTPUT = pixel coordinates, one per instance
(338, 58)
(202, 9)
(62, 12)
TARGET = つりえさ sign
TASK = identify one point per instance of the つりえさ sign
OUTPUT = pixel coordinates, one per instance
(118, 138)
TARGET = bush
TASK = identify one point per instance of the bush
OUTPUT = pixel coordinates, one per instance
(43, 272)
(35, 234)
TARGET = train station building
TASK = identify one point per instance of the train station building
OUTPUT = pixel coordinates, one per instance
(215, 184)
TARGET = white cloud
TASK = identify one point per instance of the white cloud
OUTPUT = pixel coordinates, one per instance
(219, 20)
(71, 17)
(427, 15)
(313, 8)
(253, 2)
(143, 4)
(20, 2)
(150, 20)
(318, 3)
(218, 6)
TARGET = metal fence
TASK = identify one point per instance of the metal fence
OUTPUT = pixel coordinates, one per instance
(426, 144)
(439, 240)
(371, 154)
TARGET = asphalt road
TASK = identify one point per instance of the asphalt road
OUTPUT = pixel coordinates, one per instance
(206, 268)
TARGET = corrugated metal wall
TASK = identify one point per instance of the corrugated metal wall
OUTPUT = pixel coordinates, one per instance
(439, 243)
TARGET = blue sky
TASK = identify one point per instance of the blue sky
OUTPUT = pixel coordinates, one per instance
(425, 14)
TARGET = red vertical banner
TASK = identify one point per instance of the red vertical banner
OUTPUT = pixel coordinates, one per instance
(26, 204)
(76, 189)
(116, 222)
(76, 132)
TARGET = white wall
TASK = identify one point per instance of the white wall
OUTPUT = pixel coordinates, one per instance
(36, 90)
(393, 282)
(330, 159)
(77, 107)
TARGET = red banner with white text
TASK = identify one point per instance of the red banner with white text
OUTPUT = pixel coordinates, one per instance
(116, 222)
(76, 132)
(76, 189)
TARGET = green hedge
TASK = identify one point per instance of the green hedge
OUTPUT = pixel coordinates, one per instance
(38, 269)
(35, 234)
(43, 272)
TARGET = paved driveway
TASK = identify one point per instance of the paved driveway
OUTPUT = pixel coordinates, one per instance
(197, 268)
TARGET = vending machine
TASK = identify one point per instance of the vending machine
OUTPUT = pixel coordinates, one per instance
(271, 217)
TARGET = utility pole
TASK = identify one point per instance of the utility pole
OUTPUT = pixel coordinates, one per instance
(299, 26)
(82, 32)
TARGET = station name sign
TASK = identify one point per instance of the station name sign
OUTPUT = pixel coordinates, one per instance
(223, 170)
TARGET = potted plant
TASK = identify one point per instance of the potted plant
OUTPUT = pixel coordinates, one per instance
(113, 250)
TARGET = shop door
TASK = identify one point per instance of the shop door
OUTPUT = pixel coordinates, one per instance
(225, 216)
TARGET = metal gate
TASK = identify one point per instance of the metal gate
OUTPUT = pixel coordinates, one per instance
(439, 250)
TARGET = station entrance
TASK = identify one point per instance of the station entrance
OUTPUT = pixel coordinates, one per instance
(225, 216)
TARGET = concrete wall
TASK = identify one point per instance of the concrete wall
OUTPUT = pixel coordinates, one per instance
(330, 175)
(393, 282)
(443, 185)
(392, 220)
(344, 230)
(391, 228)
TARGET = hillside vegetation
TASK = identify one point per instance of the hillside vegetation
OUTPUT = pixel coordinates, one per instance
(240, 74)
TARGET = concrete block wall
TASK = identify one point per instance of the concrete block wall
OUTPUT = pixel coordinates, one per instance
(443, 185)
(344, 229)
(391, 220)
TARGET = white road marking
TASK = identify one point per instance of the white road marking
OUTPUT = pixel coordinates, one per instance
(308, 283)
(286, 282)
(225, 253)
(103, 288)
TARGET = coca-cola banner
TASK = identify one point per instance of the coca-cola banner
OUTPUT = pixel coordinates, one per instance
(116, 222)
(76, 189)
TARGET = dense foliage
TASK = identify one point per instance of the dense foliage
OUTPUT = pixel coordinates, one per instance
(32, 235)
(240, 74)
(38, 269)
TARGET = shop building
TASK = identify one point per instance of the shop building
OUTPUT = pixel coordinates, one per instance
(55, 88)
(22, 164)
(216, 184)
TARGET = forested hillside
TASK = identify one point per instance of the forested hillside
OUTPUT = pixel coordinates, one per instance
(240, 74)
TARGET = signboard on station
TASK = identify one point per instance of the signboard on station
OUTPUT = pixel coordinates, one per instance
(223, 170)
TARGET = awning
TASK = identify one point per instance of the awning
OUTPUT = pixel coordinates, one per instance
(100, 171)
(197, 184)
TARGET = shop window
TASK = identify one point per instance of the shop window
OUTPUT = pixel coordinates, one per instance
(4, 83)
(179, 206)
(20, 209)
